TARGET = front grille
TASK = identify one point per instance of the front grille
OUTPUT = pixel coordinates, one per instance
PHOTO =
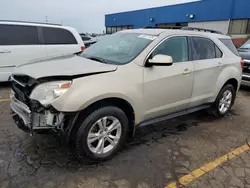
(23, 85)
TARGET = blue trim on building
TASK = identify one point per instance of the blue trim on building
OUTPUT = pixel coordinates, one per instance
(205, 10)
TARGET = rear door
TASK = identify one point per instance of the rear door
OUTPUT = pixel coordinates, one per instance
(19, 44)
(207, 60)
(59, 41)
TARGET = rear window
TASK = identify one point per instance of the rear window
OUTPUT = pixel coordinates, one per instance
(203, 49)
(230, 45)
(58, 36)
(18, 35)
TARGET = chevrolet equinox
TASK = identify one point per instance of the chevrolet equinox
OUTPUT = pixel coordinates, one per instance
(132, 78)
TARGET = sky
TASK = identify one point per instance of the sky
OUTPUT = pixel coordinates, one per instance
(84, 15)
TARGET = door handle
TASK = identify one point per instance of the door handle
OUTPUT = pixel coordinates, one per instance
(4, 51)
(186, 71)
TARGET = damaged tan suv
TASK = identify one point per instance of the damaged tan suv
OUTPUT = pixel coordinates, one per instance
(129, 79)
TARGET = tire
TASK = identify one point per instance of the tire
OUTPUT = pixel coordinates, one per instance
(217, 106)
(90, 126)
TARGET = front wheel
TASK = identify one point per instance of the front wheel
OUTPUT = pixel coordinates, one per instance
(101, 135)
(224, 100)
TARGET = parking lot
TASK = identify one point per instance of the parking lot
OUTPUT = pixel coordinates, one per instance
(197, 150)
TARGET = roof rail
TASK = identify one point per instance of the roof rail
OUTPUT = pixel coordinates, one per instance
(201, 29)
(29, 22)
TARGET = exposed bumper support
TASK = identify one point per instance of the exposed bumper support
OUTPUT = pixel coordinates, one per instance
(29, 121)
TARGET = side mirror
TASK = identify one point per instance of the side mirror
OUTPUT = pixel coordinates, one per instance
(161, 60)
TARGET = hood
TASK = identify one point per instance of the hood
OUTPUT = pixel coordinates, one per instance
(244, 53)
(67, 65)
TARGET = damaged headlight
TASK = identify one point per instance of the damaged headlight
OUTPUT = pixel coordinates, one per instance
(46, 93)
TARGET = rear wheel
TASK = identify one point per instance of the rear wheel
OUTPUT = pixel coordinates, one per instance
(224, 101)
(101, 134)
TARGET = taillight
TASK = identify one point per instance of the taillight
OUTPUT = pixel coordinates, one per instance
(241, 63)
(83, 48)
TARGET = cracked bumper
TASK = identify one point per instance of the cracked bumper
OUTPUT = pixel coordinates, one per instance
(22, 113)
(27, 120)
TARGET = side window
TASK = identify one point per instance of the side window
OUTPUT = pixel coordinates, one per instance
(18, 35)
(218, 52)
(203, 49)
(176, 47)
(230, 45)
(57, 36)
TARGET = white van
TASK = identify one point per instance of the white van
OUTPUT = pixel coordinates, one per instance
(21, 42)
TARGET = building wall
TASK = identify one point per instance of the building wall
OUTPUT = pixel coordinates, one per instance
(240, 9)
(221, 26)
(209, 14)
(205, 10)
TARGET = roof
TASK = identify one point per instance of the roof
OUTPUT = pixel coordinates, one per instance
(11, 22)
(174, 31)
(145, 31)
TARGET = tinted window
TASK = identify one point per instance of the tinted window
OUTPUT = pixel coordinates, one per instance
(18, 35)
(58, 36)
(202, 48)
(176, 47)
(248, 27)
(218, 52)
(230, 45)
(108, 30)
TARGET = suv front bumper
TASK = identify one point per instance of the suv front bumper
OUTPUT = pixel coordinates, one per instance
(22, 114)
(29, 121)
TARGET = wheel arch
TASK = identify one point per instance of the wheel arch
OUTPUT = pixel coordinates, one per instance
(233, 82)
(121, 103)
(230, 75)
(223, 82)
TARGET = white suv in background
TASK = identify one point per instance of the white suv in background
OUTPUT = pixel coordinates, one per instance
(129, 79)
(21, 42)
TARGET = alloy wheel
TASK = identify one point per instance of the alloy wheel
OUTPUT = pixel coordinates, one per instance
(225, 102)
(104, 135)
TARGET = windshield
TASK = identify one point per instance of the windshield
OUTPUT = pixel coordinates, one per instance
(119, 48)
(246, 45)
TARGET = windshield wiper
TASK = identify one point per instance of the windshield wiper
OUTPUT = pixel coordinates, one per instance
(97, 59)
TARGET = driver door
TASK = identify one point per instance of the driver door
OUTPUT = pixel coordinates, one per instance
(168, 89)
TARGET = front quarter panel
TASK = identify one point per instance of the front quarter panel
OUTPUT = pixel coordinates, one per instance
(125, 83)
